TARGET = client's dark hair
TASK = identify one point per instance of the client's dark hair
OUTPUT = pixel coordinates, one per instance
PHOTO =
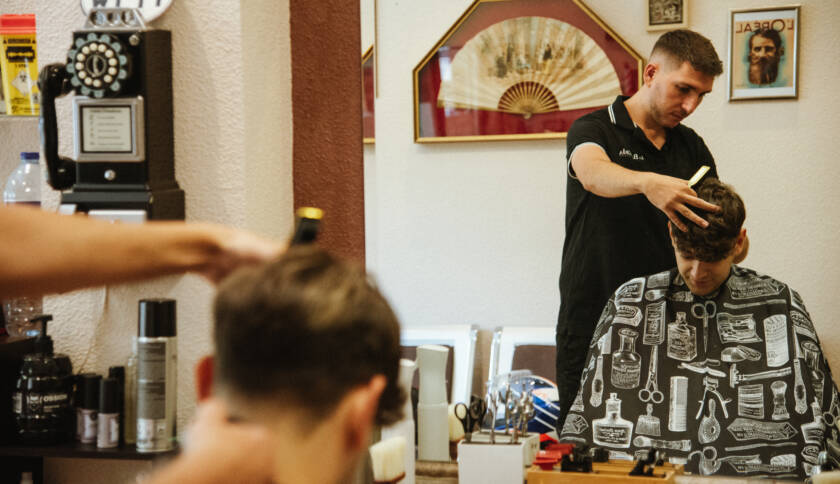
(304, 330)
(716, 241)
(689, 46)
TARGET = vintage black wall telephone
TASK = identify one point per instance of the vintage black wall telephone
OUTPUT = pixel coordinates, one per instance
(121, 74)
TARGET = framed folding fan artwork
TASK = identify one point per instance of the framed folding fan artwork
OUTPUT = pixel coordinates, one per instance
(367, 97)
(520, 69)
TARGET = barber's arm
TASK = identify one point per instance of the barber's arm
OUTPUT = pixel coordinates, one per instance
(42, 252)
(599, 175)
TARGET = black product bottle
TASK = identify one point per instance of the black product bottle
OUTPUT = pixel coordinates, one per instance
(89, 409)
(82, 382)
(45, 390)
(108, 422)
(118, 372)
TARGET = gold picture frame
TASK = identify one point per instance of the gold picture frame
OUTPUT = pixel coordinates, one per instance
(503, 96)
(666, 14)
(763, 56)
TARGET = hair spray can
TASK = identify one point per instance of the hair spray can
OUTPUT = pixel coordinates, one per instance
(156, 375)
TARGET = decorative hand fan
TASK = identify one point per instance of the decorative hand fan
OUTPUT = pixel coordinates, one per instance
(529, 65)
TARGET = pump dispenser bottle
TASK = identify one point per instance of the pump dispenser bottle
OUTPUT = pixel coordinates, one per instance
(432, 417)
(156, 375)
(43, 397)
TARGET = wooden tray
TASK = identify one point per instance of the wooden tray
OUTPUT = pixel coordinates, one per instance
(611, 472)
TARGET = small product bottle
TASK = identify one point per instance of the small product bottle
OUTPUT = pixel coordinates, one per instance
(775, 340)
(626, 363)
(108, 423)
(90, 407)
(23, 187)
(118, 372)
(682, 339)
(82, 381)
(654, 324)
(812, 359)
(43, 397)
(612, 430)
(156, 375)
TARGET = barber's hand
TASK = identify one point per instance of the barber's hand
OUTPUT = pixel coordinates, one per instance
(218, 451)
(236, 248)
(671, 195)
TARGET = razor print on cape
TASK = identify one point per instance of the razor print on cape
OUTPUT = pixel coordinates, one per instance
(734, 383)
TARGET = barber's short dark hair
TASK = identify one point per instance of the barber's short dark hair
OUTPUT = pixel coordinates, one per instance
(688, 46)
(303, 331)
(715, 242)
(771, 34)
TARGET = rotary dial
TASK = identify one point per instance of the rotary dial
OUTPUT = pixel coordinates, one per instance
(98, 65)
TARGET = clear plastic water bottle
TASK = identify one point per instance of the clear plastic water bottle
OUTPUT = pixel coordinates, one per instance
(23, 187)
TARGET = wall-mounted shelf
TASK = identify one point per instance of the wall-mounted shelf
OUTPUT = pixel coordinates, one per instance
(82, 451)
(15, 459)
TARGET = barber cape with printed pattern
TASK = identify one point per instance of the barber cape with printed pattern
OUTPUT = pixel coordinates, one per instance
(731, 384)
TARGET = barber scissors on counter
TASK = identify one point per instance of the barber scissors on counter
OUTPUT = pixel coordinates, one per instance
(651, 393)
(705, 311)
(471, 415)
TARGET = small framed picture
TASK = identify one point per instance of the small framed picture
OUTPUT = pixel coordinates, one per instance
(667, 14)
(763, 53)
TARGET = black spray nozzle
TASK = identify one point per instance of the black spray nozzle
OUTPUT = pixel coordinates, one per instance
(43, 343)
(42, 318)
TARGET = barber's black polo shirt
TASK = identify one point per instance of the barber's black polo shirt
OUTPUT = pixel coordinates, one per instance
(611, 240)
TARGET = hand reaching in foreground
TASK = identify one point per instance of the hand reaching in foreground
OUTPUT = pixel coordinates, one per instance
(218, 451)
(237, 248)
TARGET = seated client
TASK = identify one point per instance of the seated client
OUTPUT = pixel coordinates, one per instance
(307, 348)
(715, 364)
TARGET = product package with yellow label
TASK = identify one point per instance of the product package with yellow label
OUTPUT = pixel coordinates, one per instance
(19, 64)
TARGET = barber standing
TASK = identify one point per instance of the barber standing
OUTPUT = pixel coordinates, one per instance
(628, 166)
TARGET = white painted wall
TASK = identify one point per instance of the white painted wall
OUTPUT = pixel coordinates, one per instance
(473, 232)
(232, 92)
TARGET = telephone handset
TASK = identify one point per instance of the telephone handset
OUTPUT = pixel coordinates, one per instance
(120, 73)
(53, 83)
